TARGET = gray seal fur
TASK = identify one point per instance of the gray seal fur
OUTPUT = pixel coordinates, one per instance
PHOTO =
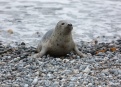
(58, 41)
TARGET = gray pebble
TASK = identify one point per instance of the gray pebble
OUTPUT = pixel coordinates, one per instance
(47, 83)
(114, 71)
(26, 85)
(82, 67)
(35, 80)
(55, 84)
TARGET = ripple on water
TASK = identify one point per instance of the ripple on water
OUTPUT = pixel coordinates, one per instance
(90, 18)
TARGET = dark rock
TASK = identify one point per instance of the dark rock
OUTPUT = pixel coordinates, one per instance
(119, 41)
(18, 52)
(0, 43)
(23, 43)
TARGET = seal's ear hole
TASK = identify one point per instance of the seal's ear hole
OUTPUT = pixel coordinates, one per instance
(62, 23)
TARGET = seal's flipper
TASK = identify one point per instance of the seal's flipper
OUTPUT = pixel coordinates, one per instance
(78, 52)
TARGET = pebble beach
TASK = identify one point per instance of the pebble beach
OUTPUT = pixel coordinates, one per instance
(101, 67)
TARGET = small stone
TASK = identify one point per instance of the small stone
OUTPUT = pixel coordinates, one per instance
(16, 59)
(35, 80)
(112, 84)
(71, 84)
(119, 71)
(67, 72)
(113, 71)
(87, 69)
(47, 83)
(26, 85)
(10, 31)
(58, 59)
(4, 85)
(2, 63)
(82, 67)
(0, 43)
(15, 85)
(55, 84)
(90, 84)
(73, 79)
(37, 73)
(9, 57)
(65, 60)
(50, 76)
(72, 61)
(23, 43)
(76, 71)
(85, 82)
(74, 56)
(78, 57)
(90, 61)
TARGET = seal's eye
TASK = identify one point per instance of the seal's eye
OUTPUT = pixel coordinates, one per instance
(62, 23)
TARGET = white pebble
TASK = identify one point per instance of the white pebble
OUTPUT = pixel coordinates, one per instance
(78, 57)
(65, 60)
(26, 85)
(58, 59)
(9, 57)
(76, 71)
(90, 84)
(16, 59)
(37, 73)
(87, 69)
(35, 80)
(15, 85)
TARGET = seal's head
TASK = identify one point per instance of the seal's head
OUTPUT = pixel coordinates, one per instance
(64, 27)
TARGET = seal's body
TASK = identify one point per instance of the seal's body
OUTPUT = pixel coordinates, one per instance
(58, 42)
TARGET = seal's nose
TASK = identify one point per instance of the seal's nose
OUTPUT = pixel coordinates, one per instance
(69, 24)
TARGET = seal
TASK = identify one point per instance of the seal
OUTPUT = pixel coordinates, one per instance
(58, 42)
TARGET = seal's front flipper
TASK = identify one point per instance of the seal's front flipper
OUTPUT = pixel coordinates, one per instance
(41, 53)
(78, 52)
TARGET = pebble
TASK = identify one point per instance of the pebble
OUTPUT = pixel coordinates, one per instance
(50, 76)
(82, 67)
(23, 43)
(4, 85)
(15, 85)
(90, 84)
(35, 80)
(26, 85)
(9, 57)
(78, 57)
(114, 71)
(65, 60)
(16, 59)
(76, 71)
(55, 84)
(47, 83)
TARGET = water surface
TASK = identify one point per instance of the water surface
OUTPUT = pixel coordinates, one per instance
(30, 19)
